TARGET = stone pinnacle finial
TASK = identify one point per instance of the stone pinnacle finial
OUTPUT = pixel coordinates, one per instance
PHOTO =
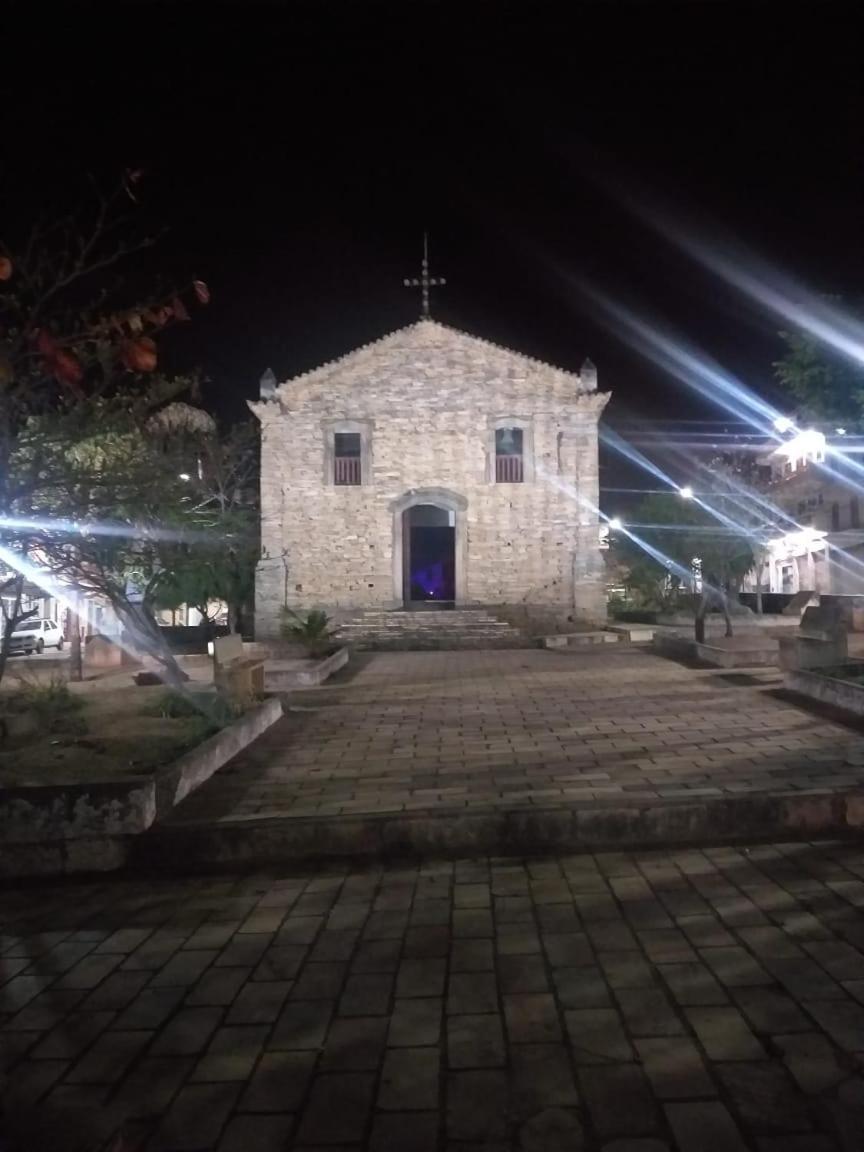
(588, 373)
(267, 384)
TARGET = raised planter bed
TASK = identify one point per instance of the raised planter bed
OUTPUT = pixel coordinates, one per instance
(842, 685)
(89, 826)
(289, 675)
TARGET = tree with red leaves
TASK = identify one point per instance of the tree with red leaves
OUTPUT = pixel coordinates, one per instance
(72, 333)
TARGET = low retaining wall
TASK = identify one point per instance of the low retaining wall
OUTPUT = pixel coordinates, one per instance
(592, 826)
(764, 654)
(37, 812)
(177, 780)
(310, 675)
(827, 688)
(581, 639)
(635, 633)
(47, 828)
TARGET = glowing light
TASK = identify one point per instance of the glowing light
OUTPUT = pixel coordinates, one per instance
(840, 431)
(805, 446)
(590, 512)
(615, 524)
(62, 527)
(184, 476)
(784, 424)
(624, 448)
(686, 493)
(776, 291)
(793, 542)
(686, 363)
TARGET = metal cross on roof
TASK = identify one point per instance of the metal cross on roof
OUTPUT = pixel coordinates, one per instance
(424, 282)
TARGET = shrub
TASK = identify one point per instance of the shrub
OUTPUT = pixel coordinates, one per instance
(313, 631)
(55, 707)
(216, 709)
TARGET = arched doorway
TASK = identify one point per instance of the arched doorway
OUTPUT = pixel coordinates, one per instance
(429, 548)
(428, 555)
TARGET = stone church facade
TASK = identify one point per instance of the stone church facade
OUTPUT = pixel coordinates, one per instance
(431, 466)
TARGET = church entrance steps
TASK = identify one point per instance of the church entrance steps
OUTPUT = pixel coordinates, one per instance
(430, 629)
(463, 753)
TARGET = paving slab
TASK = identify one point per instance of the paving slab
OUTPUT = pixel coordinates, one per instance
(464, 753)
(614, 1037)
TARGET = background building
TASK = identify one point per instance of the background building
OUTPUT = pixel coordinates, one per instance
(816, 483)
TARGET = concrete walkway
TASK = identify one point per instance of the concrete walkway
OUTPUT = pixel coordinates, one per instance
(702, 1001)
(460, 749)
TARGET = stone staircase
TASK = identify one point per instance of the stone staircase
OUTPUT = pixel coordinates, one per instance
(379, 629)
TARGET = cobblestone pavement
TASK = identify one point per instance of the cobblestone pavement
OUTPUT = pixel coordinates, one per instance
(703, 1001)
(444, 731)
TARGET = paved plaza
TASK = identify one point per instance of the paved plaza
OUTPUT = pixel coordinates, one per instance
(701, 1001)
(459, 733)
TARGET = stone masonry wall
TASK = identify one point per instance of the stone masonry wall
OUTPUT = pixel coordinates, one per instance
(429, 394)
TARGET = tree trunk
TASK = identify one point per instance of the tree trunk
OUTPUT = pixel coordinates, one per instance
(725, 603)
(9, 623)
(145, 634)
(233, 617)
(711, 594)
(4, 651)
(723, 589)
(701, 613)
(76, 661)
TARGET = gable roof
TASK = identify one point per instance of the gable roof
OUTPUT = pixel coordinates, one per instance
(420, 334)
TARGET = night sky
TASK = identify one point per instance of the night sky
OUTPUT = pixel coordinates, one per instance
(296, 155)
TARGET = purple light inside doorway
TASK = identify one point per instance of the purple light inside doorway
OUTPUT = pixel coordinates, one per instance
(431, 580)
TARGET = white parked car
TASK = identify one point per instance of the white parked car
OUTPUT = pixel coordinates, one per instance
(36, 636)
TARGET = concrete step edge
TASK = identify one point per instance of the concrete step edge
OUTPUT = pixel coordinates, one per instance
(519, 831)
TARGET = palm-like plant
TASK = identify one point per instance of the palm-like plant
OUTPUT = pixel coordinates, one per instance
(311, 630)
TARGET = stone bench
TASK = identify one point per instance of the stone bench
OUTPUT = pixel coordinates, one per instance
(820, 642)
(241, 677)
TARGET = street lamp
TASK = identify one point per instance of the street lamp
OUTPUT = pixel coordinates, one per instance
(184, 476)
(615, 524)
(784, 424)
(686, 493)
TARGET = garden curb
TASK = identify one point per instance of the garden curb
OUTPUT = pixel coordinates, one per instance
(62, 828)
